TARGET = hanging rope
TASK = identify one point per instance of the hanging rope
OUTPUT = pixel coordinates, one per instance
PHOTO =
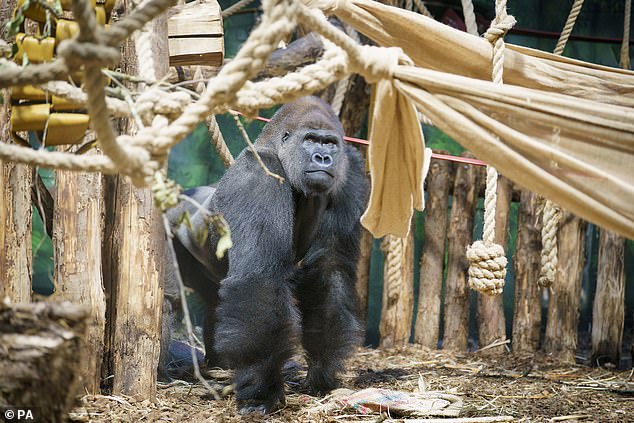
(551, 212)
(469, 17)
(487, 269)
(342, 86)
(625, 45)
(570, 23)
(423, 9)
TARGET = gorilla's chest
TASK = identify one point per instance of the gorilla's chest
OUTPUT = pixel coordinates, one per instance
(309, 215)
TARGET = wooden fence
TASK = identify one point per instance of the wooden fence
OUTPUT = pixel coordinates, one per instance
(442, 316)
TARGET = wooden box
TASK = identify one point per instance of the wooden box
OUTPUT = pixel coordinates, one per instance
(196, 35)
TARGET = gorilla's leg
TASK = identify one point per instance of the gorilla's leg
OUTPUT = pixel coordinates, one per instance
(256, 331)
(330, 327)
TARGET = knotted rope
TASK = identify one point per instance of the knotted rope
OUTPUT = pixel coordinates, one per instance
(551, 212)
(487, 268)
(469, 17)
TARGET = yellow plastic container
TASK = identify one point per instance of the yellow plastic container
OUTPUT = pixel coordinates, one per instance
(28, 92)
(38, 51)
(66, 128)
(29, 117)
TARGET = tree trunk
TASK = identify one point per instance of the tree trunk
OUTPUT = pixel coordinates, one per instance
(41, 352)
(427, 329)
(465, 199)
(77, 238)
(15, 209)
(135, 276)
(398, 291)
(363, 272)
(563, 310)
(527, 312)
(608, 313)
(491, 321)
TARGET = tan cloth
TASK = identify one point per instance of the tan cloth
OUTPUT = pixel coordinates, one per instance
(571, 139)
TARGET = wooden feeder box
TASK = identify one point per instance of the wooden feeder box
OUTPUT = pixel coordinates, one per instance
(196, 34)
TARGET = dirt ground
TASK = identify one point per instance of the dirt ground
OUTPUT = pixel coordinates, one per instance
(528, 389)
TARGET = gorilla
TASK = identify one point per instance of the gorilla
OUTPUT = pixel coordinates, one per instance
(289, 277)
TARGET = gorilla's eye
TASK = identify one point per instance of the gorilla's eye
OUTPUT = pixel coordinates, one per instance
(285, 136)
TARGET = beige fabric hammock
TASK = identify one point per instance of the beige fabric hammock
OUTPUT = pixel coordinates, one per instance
(559, 127)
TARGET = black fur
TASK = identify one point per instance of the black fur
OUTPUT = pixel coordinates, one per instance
(291, 272)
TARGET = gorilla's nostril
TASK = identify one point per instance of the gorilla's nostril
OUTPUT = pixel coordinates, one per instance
(324, 160)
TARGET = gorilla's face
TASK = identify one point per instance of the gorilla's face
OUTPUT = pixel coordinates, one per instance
(310, 147)
(316, 159)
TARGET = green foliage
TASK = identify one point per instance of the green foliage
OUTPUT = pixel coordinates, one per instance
(42, 257)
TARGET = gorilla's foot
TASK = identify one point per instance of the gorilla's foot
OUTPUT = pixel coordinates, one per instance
(320, 380)
(256, 393)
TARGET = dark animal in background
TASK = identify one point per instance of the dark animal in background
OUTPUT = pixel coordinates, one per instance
(290, 275)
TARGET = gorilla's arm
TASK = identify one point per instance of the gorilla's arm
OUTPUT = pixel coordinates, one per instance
(256, 319)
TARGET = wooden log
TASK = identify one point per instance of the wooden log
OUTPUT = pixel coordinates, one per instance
(527, 312)
(563, 309)
(363, 272)
(15, 209)
(491, 321)
(77, 240)
(608, 314)
(41, 353)
(427, 328)
(135, 272)
(459, 237)
(398, 291)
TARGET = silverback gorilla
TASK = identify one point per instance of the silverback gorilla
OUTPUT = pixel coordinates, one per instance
(290, 274)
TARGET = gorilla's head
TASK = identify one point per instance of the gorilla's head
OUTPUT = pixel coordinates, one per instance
(308, 138)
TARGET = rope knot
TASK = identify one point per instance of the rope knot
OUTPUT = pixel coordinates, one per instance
(155, 101)
(377, 63)
(499, 28)
(77, 53)
(487, 267)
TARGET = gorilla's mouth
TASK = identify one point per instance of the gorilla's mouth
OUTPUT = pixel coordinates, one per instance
(320, 171)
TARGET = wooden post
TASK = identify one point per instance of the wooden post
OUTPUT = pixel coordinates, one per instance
(398, 291)
(77, 238)
(135, 272)
(491, 321)
(363, 272)
(608, 313)
(563, 310)
(427, 329)
(527, 312)
(465, 198)
(15, 209)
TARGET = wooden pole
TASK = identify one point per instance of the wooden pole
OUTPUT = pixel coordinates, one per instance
(427, 329)
(77, 238)
(491, 321)
(527, 312)
(398, 290)
(465, 198)
(563, 310)
(608, 314)
(363, 272)
(135, 272)
(15, 209)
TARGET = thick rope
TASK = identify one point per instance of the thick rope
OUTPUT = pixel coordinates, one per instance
(551, 212)
(570, 23)
(393, 246)
(487, 269)
(469, 17)
(342, 86)
(551, 217)
(423, 9)
(625, 45)
(235, 8)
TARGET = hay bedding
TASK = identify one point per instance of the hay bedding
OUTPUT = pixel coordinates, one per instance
(531, 389)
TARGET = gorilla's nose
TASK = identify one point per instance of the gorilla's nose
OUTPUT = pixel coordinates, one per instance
(322, 159)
